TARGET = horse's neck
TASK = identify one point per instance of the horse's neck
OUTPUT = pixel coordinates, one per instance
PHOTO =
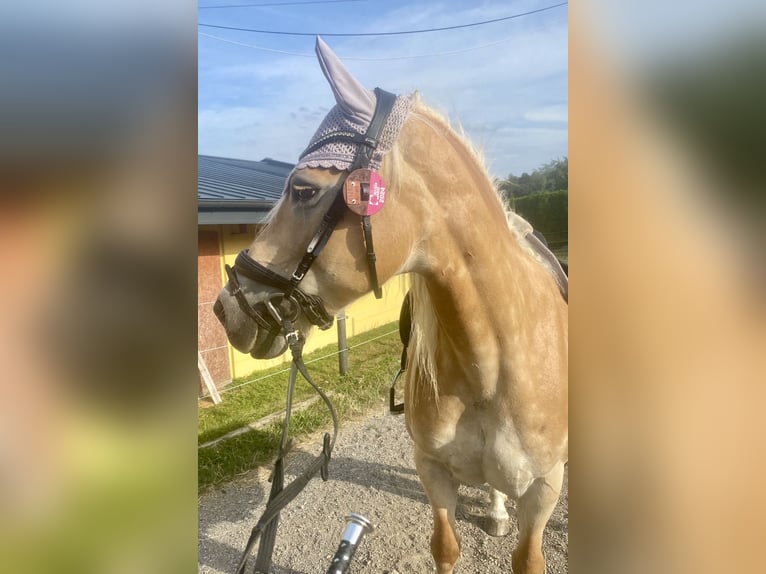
(478, 280)
(481, 285)
(483, 298)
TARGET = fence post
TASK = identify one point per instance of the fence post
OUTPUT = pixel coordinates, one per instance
(209, 384)
(342, 343)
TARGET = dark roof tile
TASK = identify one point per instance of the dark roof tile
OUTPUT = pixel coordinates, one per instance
(228, 179)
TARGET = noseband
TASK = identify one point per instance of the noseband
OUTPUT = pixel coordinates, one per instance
(291, 296)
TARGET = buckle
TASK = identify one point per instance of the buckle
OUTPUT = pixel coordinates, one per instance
(297, 276)
(292, 338)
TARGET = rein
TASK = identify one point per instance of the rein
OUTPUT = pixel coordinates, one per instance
(281, 309)
(279, 497)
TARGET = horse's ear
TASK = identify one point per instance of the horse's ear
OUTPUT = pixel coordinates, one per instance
(353, 98)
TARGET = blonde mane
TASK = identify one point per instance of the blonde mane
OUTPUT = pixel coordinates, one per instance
(424, 335)
(455, 134)
(459, 140)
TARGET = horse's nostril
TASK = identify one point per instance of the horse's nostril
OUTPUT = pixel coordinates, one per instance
(219, 312)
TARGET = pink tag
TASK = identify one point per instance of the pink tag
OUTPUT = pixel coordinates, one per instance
(364, 192)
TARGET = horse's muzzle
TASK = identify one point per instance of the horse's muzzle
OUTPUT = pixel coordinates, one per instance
(219, 311)
(263, 341)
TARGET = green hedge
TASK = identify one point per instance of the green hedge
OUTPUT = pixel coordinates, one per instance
(547, 212)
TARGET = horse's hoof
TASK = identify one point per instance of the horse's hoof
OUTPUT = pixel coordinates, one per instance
(497, 527)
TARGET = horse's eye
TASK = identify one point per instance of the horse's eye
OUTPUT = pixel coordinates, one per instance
(301, 193)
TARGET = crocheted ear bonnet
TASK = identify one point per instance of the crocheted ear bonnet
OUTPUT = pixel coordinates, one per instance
(352, 113)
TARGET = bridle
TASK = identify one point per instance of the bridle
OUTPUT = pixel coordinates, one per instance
(279, 311)
(289, 298)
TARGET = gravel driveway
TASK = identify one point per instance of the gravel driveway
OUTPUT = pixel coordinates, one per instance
(372, 473)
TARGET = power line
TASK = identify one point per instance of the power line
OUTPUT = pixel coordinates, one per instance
(361, 59)
(277, 4)
(399, 33)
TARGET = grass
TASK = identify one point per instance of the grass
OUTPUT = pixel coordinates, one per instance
(371, 367)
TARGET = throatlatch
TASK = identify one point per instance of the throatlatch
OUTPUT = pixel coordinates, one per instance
(364, 190)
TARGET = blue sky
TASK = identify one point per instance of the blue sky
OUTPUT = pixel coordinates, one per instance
(510, 96)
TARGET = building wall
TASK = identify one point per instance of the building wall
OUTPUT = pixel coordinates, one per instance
(211, 337)
(363, 315)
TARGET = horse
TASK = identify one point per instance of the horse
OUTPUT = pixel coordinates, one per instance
(486, 395)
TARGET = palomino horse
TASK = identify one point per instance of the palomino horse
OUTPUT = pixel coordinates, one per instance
(486, 384)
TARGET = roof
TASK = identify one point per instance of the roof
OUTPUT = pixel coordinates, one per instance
(238, 190)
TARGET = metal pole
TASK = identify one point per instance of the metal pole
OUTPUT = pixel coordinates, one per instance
(342, 344)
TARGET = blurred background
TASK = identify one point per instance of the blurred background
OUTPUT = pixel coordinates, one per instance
(97, 299)
(667, 276)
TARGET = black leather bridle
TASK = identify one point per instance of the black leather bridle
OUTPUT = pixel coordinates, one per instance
(292, 298)
(278, 312)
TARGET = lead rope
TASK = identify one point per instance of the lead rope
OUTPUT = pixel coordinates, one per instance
(279, 497)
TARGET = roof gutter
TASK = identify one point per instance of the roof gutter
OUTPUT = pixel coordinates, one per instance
(216, 212)
(233, 205)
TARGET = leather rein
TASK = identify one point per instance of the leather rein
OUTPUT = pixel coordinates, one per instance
(279, 312)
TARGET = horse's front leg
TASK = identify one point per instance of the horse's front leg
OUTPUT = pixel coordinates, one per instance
(534, 508)
(441, 489)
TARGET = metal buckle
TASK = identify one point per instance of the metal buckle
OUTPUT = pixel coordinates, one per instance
(273, 311)
(297, 277)
(292, 338)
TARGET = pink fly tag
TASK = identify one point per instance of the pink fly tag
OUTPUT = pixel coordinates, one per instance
(364, 192)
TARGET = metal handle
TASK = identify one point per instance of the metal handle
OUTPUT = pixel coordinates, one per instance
(356, 527)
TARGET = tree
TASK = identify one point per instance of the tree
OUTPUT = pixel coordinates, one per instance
(552, 176)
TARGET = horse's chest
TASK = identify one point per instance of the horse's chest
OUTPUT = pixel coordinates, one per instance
(474, 444)
(460, 447)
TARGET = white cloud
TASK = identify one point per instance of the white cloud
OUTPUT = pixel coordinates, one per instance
(548, 114)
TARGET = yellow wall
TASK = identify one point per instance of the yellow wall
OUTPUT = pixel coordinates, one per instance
(367, 313)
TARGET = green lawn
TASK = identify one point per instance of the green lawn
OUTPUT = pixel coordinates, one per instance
(372, 365)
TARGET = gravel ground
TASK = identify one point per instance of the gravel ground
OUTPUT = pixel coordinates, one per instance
(372, 473)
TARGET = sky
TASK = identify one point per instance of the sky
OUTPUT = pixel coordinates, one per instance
(506, 87)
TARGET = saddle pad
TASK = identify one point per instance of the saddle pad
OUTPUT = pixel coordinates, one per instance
(551, 262)
(522, 227)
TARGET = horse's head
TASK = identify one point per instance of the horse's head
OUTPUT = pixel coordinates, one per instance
(322, 210)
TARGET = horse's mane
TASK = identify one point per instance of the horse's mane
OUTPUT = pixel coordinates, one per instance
(456, 134)
(457, 137)
(423, 345)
